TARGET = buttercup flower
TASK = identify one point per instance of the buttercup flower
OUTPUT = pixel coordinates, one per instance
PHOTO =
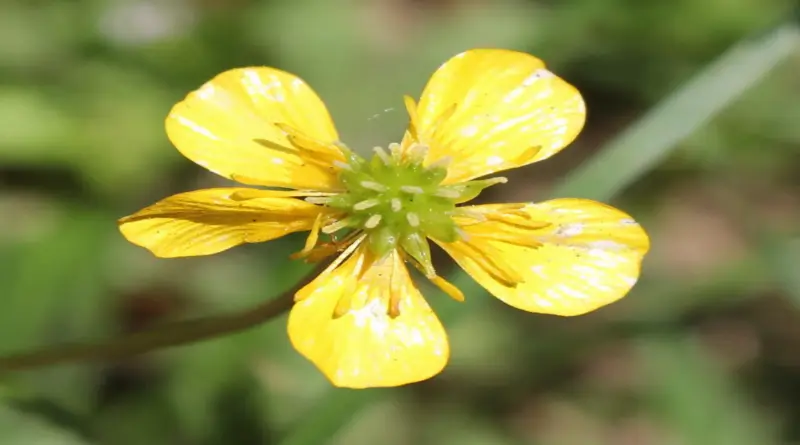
(362, 321)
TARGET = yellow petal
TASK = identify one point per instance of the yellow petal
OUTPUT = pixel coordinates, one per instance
(492, 110)
(342, 322)
(210, 221)
(567, 256)
(236, 126)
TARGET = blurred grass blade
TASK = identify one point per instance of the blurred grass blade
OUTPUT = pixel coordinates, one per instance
(647, 142)
(629, 156)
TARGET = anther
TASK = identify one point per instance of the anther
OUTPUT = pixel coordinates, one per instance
(320, 200)
(472, 214)
(412, 189)
(372, 185)
(373, 221)
(413, 219)
(313, 236)
(383, 155)
(448, 288)
(341, 146)
(336, 226)
(396, 204)
(342, 165)
(442, 162)
(346, 254)
(365, 204)
(418, 151)
(394, 149)
(394, 305)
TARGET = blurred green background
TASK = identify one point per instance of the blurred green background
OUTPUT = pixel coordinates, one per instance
(694, 129)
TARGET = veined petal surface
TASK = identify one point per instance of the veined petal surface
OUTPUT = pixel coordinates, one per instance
(342, 322)
(491, 110)
(235, 126)
(212, 220)
(567, 256)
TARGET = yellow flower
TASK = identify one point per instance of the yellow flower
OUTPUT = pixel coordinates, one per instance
(363, 322)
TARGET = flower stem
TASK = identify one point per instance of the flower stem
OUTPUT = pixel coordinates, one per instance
(167, 335)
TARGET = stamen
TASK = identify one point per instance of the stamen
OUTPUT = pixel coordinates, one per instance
(336, 263)
(413, 219)
(494, 265)
(373, 221)
(518, 240)
(526, 223)
(499, 212)
(342, 165)
(447, 287)
(394, 149)
(367, 203)
(320, 200)
(313, 236)
(417, 151)
(444, 116)
(348, 295)
(394, 304)
(527, 154)
(471, 189)
(412, 189)
(343, 149)
(372, 185)
(246, 194)
(396, 204)
(473, 214)
(427, 270)
(344, 242)
(411, 107)
(322, 157)
(343, 305)
(316, 254)
(324, 250)
(442, 162)
(446, 193)
(383, 155)
(347, 252)
(335, 226)
(302, 141)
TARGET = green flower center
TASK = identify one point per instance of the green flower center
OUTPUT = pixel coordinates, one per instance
(398, 202)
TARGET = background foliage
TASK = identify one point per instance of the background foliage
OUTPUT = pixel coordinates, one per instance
(698, 142)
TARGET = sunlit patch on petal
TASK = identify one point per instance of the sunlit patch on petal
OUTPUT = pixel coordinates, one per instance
(210, 221)
(258, 126)
(492, 110)
(572, 255)
(365, 324)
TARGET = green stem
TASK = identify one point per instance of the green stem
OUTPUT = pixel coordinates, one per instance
(172, 334)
